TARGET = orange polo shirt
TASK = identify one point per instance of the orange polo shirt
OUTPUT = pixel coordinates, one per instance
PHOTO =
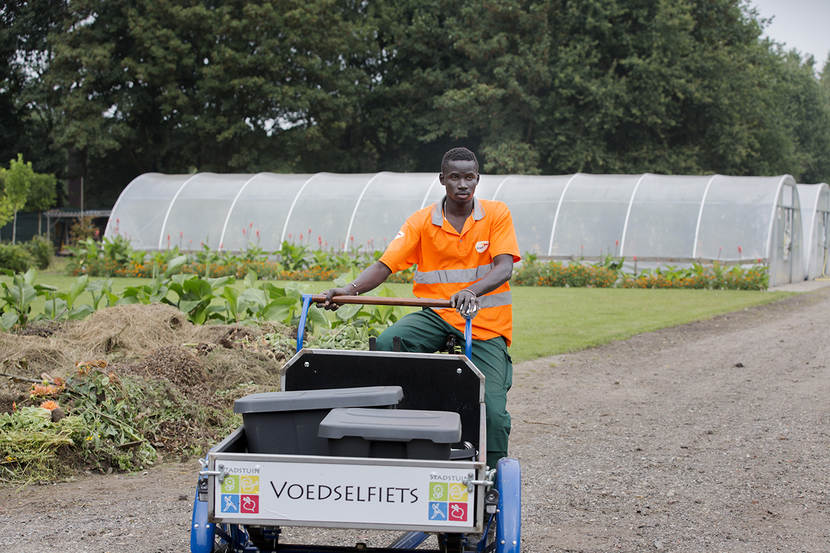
(449, 261)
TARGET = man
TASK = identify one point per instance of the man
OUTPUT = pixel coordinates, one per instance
(464, 249)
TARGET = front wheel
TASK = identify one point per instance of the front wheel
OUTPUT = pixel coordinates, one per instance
(509, 517)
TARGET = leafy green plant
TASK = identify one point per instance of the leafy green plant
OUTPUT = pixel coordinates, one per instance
(293, 256)
(611, 263)
(16, 300)
(157, 289)
(263, 301)
(118, 249)
(195, 296)
(61, 305)
(101, 290)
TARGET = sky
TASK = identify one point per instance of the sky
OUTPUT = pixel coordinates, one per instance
(800, 24)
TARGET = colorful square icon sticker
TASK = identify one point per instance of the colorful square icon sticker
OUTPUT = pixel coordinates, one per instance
(230, 484)
(437, 491)
(437, 510)
(457, 492)
(249, 484)
(229, 503)
(458, 511)
(248, 503)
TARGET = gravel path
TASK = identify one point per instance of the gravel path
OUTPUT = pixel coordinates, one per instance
(708, 437)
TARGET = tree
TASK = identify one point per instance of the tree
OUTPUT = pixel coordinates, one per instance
(42, 195)
(28, 108)
(109, 90)
(22, 187)
(15, 181)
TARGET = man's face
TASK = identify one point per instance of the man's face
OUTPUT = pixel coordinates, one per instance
(460, 178)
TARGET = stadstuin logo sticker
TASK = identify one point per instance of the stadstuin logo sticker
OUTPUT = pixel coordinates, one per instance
(481, 247)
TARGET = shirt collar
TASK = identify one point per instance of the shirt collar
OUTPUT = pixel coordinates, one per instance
(438, 212)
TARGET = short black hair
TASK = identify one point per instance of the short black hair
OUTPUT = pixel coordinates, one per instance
(458, 154)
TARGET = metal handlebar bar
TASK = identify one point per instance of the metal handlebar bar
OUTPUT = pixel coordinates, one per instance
(378, 300)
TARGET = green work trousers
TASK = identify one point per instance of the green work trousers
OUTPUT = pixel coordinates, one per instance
(425, 332)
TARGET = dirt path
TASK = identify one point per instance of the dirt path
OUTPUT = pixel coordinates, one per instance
(709, 437)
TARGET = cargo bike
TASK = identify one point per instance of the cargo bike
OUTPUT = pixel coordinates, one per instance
(364, 440)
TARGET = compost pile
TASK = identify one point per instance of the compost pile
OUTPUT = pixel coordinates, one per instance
(134, 384)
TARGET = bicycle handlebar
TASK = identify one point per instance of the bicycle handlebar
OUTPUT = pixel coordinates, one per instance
(380, 300)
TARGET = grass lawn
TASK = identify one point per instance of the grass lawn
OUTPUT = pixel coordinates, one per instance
(548, 321)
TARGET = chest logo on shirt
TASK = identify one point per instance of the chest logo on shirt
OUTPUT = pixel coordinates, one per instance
(481, 247)
(399, 235)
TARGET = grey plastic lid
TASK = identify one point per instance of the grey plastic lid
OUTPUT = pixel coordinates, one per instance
(329, 398)
(398, 425)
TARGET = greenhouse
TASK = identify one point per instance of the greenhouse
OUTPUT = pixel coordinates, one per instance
(815, 219)
(653, 219)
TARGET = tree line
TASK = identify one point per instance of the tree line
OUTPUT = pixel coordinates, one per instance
(110, 89)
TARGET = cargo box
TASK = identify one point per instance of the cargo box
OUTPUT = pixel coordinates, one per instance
(288, 422)
(397, 434)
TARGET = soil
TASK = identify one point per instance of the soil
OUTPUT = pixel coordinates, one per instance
(707, 437)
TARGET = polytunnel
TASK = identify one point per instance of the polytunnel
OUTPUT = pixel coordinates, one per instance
(654, 218)
(815, 219)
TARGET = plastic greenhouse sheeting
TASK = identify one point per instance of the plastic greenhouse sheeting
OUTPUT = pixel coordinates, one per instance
(656, 218)
(815, 219)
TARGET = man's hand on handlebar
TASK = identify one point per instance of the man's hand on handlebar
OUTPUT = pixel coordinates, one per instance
(465, 302)
(371, 277)
(330, 305)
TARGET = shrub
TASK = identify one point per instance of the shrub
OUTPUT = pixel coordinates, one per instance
(16, 258)
(42, 250)
(82, 229)
(555, 273)
(609, 273)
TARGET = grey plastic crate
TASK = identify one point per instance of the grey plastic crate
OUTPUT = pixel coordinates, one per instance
(288, 422)
(396, 434)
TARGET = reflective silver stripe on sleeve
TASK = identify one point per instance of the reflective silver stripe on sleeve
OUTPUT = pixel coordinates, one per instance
(452, 275)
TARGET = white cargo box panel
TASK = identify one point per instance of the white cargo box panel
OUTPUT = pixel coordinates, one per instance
(347, 492)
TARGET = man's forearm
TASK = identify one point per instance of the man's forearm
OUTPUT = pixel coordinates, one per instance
(372, 276)
(500, 273)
